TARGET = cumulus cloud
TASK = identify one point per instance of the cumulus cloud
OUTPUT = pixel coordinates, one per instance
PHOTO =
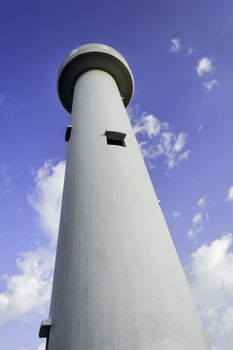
(46, 197)
(201, 202)
(212, 285)
(204, 66)
(229, 197)
(156, 139)
(29, 290)
(175, 45)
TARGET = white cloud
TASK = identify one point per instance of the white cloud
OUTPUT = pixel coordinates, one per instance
(175, 45)
(180, 142)
(29, 290)
(212, 285)
(149, 125)
(191, 233)
(197, 226)
(197, 219)
(208, 85)
(41, 346)
(157, 140)
(46, 197)
(229, 197)
(176, 214)
(202, 202)
(204, 66)
(190, 50)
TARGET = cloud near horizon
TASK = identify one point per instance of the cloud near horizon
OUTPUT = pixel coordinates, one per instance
(212, 284)
(29, 290)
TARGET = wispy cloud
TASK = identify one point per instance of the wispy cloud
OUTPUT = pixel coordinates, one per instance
(8, 106)
(190, 50)
(204, 66)
(229, 197)
(212, 285)
(191, 234)
(176, 214)
(198, 220)
(149, 125)
(197, 226)
(5, 179)
(156, 139)
(201, 126)
(201, 202)
(208, 85)
(175, 45)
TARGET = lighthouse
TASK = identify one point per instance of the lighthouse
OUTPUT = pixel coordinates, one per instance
(118, 282)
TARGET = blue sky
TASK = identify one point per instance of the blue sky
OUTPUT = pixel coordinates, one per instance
(181, 55)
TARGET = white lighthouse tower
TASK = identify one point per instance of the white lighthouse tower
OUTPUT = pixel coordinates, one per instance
(118, 282)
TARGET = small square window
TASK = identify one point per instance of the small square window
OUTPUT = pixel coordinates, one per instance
(115, 138)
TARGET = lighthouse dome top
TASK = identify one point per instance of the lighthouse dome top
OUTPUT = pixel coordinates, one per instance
(93, 56)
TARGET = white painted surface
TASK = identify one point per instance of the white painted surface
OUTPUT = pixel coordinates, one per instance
(118, 282)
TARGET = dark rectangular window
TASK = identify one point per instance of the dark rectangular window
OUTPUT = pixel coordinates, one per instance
(115, 138)
(68, 133)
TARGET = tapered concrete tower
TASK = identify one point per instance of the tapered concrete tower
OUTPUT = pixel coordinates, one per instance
(118, 282)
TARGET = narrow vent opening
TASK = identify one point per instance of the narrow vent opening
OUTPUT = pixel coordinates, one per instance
(115, 138)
